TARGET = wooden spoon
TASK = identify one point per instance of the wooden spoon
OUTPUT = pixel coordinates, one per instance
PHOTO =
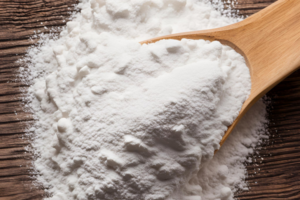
(269, 41)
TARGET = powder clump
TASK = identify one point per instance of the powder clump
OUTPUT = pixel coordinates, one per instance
(120, 120)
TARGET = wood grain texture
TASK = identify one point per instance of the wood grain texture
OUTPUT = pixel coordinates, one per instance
(249, 7)
(19, 20)
(276, 176)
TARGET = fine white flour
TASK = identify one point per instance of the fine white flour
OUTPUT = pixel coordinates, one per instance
(117, 120)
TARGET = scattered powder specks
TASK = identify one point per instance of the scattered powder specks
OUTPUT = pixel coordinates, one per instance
(120, 120)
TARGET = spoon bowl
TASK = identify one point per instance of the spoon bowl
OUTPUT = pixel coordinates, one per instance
(268, 40)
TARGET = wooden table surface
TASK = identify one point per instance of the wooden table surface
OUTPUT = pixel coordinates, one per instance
(279, 174)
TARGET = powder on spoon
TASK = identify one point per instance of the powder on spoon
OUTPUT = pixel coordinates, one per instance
(120, 120)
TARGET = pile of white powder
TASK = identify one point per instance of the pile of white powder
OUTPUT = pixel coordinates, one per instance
(117, 120)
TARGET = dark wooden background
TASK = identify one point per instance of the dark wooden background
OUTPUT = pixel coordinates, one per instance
(279, 174)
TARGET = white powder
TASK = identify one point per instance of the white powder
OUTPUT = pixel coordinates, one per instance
(120, 120)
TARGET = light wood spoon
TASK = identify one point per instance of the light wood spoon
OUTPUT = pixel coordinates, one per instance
(269, 41)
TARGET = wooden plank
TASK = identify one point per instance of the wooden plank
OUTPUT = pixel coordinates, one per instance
(19, 19)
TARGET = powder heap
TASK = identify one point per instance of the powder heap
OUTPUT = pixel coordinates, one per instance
(120, 120)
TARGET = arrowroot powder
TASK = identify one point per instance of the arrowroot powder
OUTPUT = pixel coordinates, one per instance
(117, 120)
